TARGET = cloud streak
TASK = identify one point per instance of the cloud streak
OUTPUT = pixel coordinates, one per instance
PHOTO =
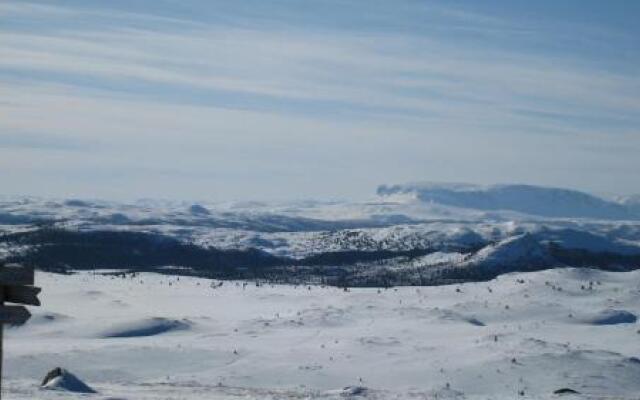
(27, 140)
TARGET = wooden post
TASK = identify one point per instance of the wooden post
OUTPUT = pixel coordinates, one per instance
(15, 287)
(1, 338)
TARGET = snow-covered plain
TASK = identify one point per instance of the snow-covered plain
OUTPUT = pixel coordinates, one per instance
(152, 336)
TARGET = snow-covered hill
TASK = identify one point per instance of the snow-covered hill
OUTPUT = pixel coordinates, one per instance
(527, 199)
(523, 252)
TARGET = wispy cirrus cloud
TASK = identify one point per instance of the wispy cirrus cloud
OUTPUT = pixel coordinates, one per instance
(29, 140)
(393, 73)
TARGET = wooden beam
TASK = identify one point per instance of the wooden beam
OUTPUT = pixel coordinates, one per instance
(15, 315)
(22, 295)
(16, 275)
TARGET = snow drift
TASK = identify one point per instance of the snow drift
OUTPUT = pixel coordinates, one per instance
(146, 327)
(611, 317)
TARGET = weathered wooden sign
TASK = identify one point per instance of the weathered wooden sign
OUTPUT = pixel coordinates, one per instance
(22, 295)
(16, 315)
(16, 286)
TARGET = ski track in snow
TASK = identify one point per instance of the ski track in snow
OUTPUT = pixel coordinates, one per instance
(161, 337)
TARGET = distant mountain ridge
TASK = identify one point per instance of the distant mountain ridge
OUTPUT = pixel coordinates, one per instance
(416, 234)
(527, 199)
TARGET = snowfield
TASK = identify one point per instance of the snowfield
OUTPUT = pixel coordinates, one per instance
(151, 336)
(553, 324)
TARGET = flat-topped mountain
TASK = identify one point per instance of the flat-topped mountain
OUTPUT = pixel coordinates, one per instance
(527, 199)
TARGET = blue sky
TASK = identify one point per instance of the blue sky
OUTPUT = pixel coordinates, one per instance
(263, 99)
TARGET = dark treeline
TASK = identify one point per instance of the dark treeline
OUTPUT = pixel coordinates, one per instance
(602, 260)
(357, 256)
(60, 250)
(56, 249)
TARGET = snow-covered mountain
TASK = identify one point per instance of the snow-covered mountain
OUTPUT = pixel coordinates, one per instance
(527, 199)
(409, 234)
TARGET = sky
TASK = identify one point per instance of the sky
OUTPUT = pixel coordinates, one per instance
(280, 99)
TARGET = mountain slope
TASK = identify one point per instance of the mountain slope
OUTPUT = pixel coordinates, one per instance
(534, 200)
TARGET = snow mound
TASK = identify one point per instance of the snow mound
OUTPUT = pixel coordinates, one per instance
(115, 219)
(146, 327)
(565, 391)
(611, 317)
(349, 391)
(523, 252)
(527, 199)
(197, 209)
(77, 203)
(63, 380)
